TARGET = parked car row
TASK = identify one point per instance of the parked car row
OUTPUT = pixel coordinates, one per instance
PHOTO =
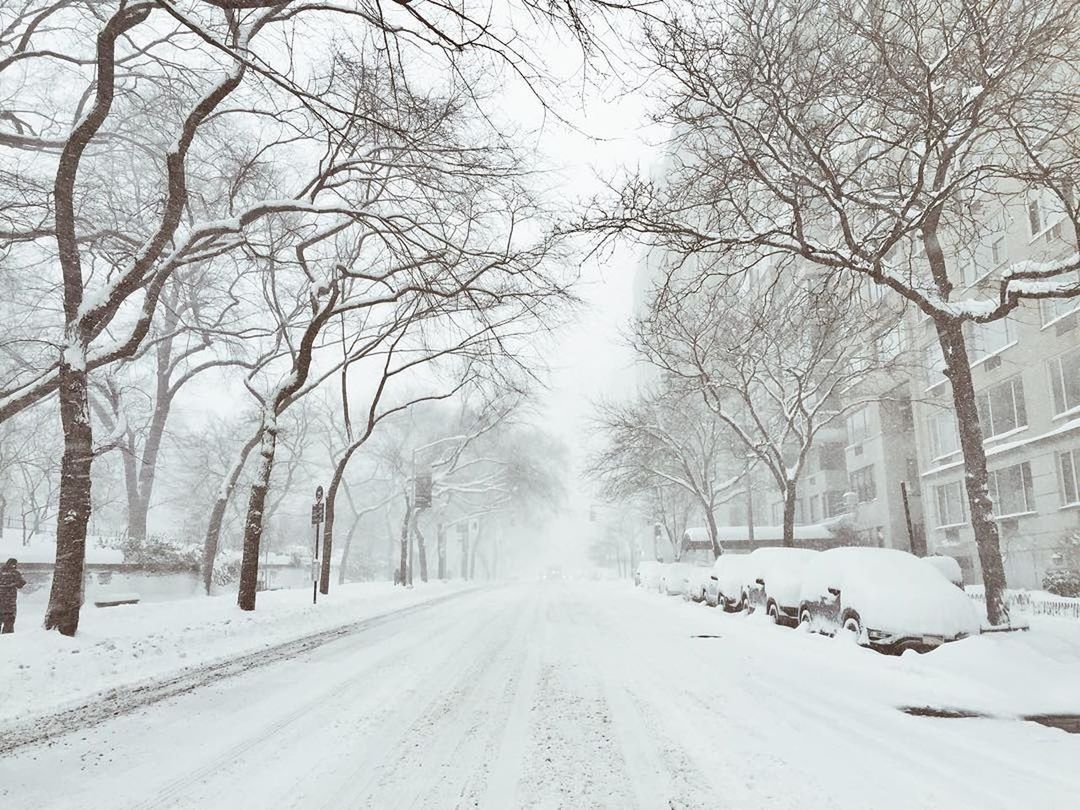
(885, 598)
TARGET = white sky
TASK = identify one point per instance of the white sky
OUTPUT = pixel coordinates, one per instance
(590, 359)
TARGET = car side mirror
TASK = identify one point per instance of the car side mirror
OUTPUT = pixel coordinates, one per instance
(760, 582)
(713, 577)
(835, 592)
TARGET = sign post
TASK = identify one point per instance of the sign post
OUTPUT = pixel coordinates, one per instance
(318, 513)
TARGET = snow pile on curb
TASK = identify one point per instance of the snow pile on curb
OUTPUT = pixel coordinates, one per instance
(999, 674)
(43, 671)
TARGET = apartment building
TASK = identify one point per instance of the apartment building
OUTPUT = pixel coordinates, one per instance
(1027, 377)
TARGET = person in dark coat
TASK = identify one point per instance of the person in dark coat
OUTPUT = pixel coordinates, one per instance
(10, 582)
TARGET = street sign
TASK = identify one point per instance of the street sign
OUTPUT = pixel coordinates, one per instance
(422, 495)
(318, 515)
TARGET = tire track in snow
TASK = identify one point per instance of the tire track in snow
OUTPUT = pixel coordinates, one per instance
(408, 722)
(313, 711)
(113, 703)
(509, 753)
(571, 758)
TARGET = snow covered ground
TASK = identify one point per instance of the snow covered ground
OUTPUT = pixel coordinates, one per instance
(586, 695)
(118, 646)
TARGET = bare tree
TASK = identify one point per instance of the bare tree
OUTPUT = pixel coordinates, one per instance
(886, 141)
(776, 359)
(664, 440)
(96, 96)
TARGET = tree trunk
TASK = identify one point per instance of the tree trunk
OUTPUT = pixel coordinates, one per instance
(472, 557)
(137, 513)
(958, 370)
(421, 548)
(253, 525)
(789, 514)
(440, 544)
(710, 525)
(139, 501)
(465, 557)
(217, 513)
(328, 526)
(345, 554)
(404, 564)
(73, 512)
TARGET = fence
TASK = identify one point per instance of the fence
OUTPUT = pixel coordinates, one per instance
(1035, 604)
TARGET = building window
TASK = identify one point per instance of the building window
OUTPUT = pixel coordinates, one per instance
(990, 338)
(858, 425)
(950, 503)
(834, 504)
(862, 484)
(944, 435)
(1035, 220)
(935, 362)
(1065, 381)
(815, 508)
(1054, 308)
(998, 252)
(1070, 480)
(1011, 490)
(1001, 408)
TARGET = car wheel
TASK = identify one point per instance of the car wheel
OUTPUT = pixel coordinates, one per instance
(804, 620)
(774, 613)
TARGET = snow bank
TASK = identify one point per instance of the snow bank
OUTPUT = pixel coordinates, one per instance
(1008, 675)
(892, 591)
(42, 550)
(42, 671)
(1027, 672)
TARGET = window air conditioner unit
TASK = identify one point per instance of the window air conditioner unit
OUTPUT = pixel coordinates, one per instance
(858, 450)
(992, 362)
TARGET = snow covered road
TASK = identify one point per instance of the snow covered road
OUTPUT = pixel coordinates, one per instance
(559, 695)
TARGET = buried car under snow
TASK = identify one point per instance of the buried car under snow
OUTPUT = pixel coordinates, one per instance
(675, 578)
(886, 598)
(775, 581)
(726, 586)
(647, 575)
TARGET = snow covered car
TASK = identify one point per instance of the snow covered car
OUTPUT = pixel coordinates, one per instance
(697, 581)
(647, 575)
(885, 598)
(775, 581)
(949, 568)
(674, 578)
(726, 586)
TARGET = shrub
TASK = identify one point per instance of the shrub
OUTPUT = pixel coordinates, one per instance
(1062, 582)
(160, 553)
